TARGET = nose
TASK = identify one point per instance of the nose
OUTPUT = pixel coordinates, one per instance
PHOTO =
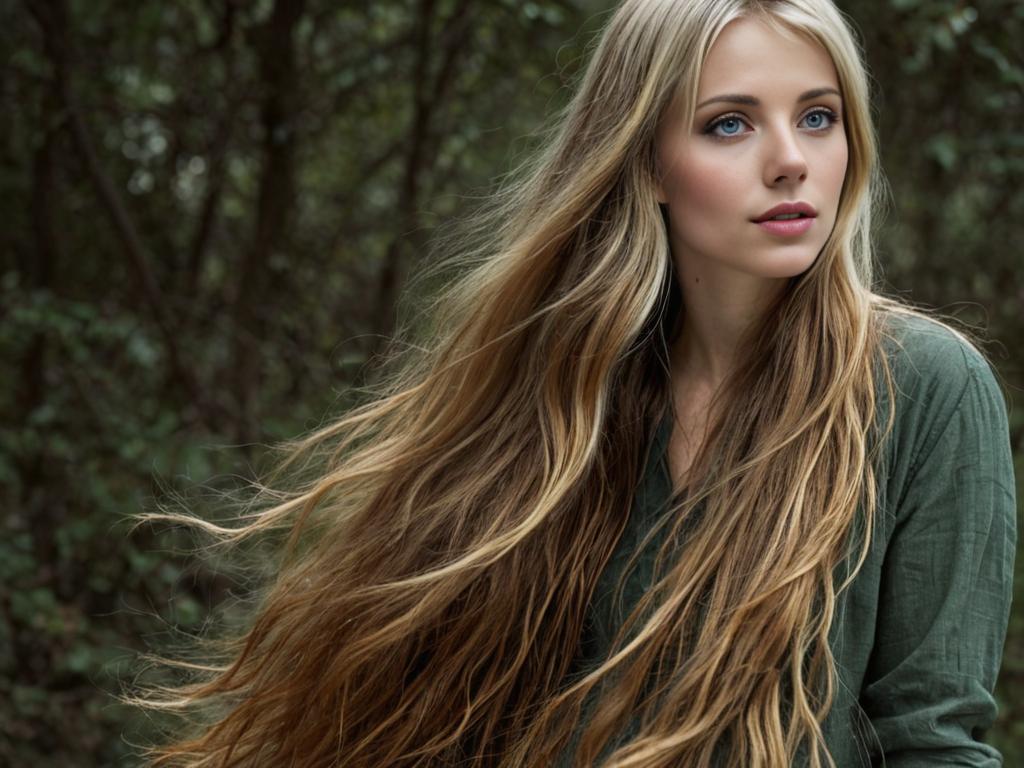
(784, 161)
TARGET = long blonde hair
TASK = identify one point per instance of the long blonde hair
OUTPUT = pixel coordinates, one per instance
(445, 537)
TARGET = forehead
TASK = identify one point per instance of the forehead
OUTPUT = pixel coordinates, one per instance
(751, 55)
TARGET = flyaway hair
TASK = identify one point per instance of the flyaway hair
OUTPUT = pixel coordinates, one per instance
(441, 542)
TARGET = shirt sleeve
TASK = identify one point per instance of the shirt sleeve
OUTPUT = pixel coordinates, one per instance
(947, 584)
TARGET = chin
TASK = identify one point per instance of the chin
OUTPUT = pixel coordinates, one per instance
(792, 270)
(783, 266)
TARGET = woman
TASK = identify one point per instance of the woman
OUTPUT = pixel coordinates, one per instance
(669, 485)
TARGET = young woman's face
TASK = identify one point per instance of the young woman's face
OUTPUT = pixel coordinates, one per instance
(739, 159)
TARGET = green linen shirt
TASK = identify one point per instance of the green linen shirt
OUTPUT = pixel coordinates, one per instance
(918, 636)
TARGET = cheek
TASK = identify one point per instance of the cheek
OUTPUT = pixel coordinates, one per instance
(836, 169)
(700, 189)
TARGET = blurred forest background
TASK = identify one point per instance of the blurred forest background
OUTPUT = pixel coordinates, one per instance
(212, 207)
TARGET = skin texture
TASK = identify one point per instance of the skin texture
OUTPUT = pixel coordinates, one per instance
(783, 150)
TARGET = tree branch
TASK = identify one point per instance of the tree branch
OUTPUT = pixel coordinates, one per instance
(51, 15)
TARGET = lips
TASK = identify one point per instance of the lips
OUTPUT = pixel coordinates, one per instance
(806, 210)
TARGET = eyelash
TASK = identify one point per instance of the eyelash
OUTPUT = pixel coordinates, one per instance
(710, 128)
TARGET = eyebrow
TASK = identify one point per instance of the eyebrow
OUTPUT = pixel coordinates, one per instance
(739, 98)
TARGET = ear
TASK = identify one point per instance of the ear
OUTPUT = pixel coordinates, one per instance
(658, 162)
(659, 193)
(659, 187)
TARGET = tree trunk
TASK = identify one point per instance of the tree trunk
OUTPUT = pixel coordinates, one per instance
(277, 57)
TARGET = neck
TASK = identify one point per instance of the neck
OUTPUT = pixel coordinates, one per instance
(719, 306)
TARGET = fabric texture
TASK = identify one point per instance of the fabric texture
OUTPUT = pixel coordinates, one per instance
(918, 636)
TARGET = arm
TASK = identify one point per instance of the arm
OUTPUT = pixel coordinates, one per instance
(944, 599)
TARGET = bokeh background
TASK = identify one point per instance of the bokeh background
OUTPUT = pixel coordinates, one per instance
(211, 208)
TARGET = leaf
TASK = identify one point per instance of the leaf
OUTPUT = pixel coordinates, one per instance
(942, 148)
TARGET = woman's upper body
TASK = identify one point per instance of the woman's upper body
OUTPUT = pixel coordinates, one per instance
(918, 635)
(445, 539)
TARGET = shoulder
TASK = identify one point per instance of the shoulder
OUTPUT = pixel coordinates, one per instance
(947, 397)
(934, 366)
(924, 351)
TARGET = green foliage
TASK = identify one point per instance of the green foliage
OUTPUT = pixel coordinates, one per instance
(268, 182)
(77, 591)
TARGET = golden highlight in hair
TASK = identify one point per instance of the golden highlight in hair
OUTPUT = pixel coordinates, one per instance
(445, 537)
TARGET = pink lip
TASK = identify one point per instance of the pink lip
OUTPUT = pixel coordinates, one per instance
(787, 227)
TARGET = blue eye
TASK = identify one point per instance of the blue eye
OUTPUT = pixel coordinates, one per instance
(729, 121)
(818, 120)
(821, 113)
